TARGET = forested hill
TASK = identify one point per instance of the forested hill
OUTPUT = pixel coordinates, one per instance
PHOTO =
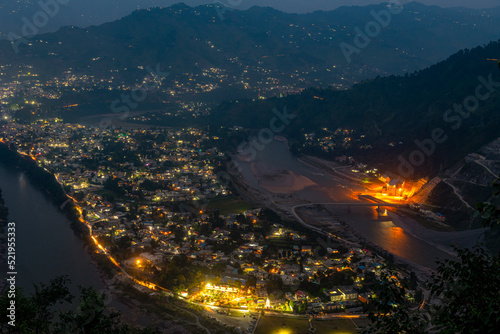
(255, 45)
(393, 112)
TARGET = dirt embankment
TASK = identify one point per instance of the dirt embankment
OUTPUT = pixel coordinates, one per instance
(280, 181)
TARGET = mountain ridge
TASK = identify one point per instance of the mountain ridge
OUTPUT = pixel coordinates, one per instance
(93, 12)
(166, 36)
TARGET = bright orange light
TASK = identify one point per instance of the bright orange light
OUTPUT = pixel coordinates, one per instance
(114, 261)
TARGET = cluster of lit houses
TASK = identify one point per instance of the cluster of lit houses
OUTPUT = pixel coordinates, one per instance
(230, 290)
(18, 82)
(62, 149)
(334, 141)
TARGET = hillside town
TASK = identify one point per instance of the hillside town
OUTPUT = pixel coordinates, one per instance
(153, 203)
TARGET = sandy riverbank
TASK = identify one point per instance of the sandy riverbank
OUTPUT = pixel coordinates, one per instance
(439, 239)
(280, 181)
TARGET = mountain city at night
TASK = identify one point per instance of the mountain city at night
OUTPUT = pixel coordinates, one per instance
(249, 167)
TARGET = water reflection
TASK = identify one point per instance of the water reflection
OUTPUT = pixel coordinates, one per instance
(22, 181)
(374, 226)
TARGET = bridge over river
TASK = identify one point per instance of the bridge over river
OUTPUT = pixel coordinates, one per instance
(374, 202)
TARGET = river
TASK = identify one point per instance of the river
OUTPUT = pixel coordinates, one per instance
(400, 236)
(46, 246)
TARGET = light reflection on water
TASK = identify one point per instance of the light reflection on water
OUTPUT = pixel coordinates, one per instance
(22, 181)
(364, 220)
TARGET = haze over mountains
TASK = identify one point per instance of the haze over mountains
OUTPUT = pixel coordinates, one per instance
(257, 46)
(84, 13)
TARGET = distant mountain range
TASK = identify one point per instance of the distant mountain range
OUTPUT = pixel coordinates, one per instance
(262, 46)
(257, 44)
(84, 13)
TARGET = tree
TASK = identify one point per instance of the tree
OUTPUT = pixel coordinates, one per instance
(36, 314)
(275, 283)
(311, 288)
(321, 251)
(79, 195)
(90, 316)
(468, 293)
(179, 234)
(392, 311)
(180, 260)
(154, 244)
(489, 213)
(469, 290)
(301, 308)
(341, 278)
(251, 282)
(235, 235)
(124, 242)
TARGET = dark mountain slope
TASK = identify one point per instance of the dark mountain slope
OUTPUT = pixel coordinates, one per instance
(256, 44)
(395, 111)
